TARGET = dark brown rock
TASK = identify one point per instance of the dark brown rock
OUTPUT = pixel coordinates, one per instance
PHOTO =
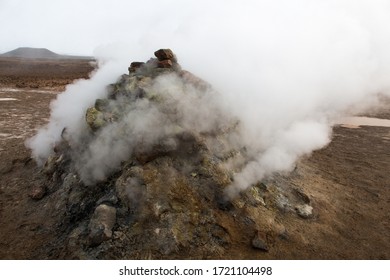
(165, 64)
(134, 66)
(164, 54)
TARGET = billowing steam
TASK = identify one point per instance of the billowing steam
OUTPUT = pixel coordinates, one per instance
(145, 125)
(286, 69)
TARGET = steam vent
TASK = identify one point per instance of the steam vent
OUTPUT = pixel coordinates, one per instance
(146, 177)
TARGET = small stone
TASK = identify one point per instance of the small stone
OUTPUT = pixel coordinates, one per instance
(134, 66)
(284, 235)
(220, 235)
(254, 197)
(50, 165)
(37, 192)
(94, 118)
(259, 242)
(70, 181)
(283, 203)
(281, 231)
(165, 64)
(164, 54)
(304, 211)
(101, 224)
(300, 194)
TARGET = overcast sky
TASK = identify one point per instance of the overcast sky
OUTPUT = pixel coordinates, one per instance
(77, 27)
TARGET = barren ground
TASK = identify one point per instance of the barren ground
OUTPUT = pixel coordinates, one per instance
(347, 182)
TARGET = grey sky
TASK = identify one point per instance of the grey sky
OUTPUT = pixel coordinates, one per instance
(77, 27)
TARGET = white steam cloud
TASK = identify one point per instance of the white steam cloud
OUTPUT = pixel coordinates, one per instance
(146, 125)
(286, 69)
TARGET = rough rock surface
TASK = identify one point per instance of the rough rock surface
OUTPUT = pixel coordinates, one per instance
(304, 211)
(259, 242)
(37, 192)
(164, 200)
(101, 224)
(165, 54)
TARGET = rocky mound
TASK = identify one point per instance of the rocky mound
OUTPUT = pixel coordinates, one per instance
(145, 178)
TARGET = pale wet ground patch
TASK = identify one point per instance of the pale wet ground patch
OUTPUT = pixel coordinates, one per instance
(13, 90)
(20, 110)
(356, 122)
(8, 99)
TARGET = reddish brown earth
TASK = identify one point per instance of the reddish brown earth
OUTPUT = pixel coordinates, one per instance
(25, 225)
(44, 73)
(347, 182)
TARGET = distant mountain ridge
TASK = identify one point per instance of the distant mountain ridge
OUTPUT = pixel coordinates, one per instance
(40, 53)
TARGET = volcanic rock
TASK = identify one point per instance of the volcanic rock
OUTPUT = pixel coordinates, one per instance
(165, 54)
(301, 195)
(158, 174)
(259, 241)
(164, 63)
(101, 224)
(134, 66)
(304, 211)
(94, 118)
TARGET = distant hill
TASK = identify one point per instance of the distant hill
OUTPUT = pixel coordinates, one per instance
(40, 53)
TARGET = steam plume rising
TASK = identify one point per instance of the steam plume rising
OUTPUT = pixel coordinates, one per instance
(286, 69)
